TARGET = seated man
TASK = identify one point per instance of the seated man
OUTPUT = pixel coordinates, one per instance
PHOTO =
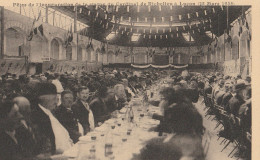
(67, 118)
(99, 106)
(54, 138)
(238, 99)
(16, 141)
(82, 110)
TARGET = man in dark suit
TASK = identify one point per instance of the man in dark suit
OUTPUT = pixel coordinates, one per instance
(236, 101)
(82, 110)
(99, 106)
(52, 137)
(66, 116)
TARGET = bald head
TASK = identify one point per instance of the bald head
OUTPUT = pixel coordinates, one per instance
(24, 105)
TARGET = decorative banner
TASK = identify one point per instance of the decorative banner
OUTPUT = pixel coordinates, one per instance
(159, 66)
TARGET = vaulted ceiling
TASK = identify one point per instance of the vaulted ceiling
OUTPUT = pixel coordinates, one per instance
(158, 26)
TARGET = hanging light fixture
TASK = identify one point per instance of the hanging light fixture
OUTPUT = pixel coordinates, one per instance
(179, 17)
(197, 14)
(213, 10)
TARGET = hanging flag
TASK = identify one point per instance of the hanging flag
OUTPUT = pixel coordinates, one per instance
(179, 17)
(197, 14)
(69, 37)
(127, 8)
(205, 12)
(240, 26)
(34, 29)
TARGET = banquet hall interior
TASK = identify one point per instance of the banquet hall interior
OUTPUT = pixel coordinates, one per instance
(148, 81)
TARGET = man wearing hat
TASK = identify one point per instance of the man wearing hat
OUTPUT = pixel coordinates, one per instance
(238, 99)
(53, 137)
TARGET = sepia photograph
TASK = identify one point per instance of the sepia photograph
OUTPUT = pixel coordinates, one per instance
(126, 81)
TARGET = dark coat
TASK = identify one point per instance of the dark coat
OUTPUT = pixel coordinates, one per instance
(69, 121)
(235, 103)
(9, 150)
(100, 110)
(44, 136)
(81, 113)
(226, 97)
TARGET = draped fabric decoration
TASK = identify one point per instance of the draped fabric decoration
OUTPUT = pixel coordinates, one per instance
(159, 66)
(14, 66)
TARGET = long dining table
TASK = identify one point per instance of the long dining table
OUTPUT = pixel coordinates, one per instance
(120, 137)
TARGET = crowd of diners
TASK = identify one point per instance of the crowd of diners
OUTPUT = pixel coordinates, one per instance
(42, 115)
